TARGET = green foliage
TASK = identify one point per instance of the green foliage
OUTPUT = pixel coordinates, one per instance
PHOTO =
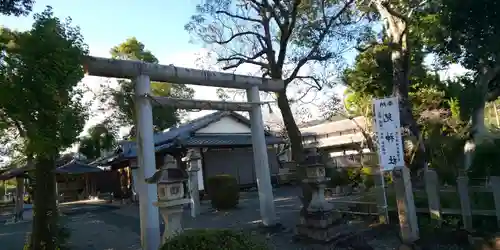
(39, 72)
(16, 7)
(440, 107)
(486, 159)
(357, 103)
(209, 239)
(100, 137)
(371, 73)
(351, 176)
(132, 49)
(224, 191)
(445, 156)
(37, 87)
(467, 32)
(339, 177)
(163, 116)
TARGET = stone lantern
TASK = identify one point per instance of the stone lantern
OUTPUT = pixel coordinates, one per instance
(320, 222)
(316, 178)
(172, 196)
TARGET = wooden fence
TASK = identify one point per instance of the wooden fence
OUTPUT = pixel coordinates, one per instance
(429, 201)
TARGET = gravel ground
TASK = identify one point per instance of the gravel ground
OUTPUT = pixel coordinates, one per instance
(101, 227)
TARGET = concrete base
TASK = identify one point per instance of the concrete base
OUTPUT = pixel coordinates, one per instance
(321, 219)
(324, 226)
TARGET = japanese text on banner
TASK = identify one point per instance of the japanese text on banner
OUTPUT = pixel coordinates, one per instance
(388, 132)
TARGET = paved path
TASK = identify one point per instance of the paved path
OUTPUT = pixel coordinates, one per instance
(104, 227)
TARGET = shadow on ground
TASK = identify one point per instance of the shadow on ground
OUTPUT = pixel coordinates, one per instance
(99, 227)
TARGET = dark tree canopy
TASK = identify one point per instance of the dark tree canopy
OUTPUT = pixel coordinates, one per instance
(16, 7)
(101, 138)
(40, 70)
(43, 67)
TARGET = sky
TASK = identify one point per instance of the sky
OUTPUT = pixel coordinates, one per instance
(104, 24)
(159, 24)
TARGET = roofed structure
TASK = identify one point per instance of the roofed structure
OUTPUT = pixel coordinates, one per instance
(192, 135)
(72, 167)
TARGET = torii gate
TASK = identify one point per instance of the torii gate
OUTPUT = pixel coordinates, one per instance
(143, 73)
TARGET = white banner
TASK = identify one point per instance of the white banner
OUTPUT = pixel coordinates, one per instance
(387, 127)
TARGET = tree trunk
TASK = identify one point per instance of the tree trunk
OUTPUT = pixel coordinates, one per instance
(401, 83)
(396, 29)
(296, 145)
(45, 230)
(478, 128)
(291, 128)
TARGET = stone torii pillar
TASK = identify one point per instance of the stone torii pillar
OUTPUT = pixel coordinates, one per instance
(143, 73)
(149, 216)
(261, 160)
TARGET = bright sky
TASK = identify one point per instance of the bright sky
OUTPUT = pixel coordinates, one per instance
(159, 24)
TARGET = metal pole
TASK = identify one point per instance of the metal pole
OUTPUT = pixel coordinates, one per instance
(149, 216)
(261, 161)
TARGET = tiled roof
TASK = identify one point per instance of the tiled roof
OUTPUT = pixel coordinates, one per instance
(333, 126)
(14, 172)
(184, 135)
(226, 140)
(77, 167)
(72, 167)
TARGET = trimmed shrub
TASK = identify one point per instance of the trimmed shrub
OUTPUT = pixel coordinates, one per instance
(339, 177)
(223, 191)
(209, 239)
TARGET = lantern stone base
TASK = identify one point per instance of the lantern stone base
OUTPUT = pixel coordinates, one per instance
(322, 226)
(172, 216)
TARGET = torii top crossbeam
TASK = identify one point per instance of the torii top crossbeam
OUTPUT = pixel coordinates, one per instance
(117, 68)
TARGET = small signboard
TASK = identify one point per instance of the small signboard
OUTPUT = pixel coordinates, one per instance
(387, 128)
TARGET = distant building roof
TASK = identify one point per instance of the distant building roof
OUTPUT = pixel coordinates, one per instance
(72, 167)
(321, 121)
(184, 136)
(333, 126)
(77, 167)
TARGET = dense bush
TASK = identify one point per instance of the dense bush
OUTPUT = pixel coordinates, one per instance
(223, 191)
(338, 177)
(486, 160)
(351, 176)
(209, 239)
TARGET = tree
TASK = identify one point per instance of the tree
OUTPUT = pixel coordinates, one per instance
(400, 19)
(40, 69)
(163, 116)
(101, 137)
(16, 7)
(433, 101)
(467, 33)
(281, 38)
